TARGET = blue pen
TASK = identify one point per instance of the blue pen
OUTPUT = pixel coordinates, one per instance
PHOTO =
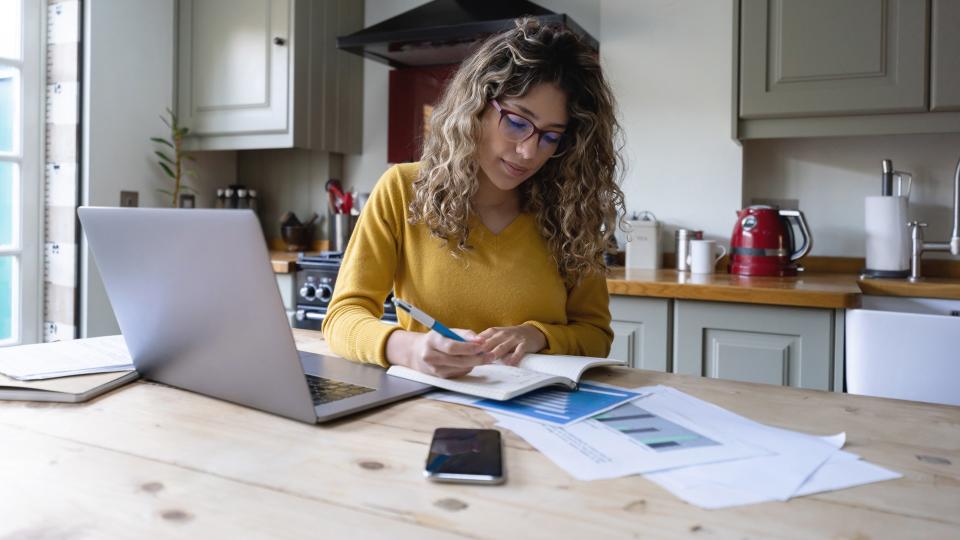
(426, 320)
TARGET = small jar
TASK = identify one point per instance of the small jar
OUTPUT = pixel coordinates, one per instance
(683, 237)
(242, 198)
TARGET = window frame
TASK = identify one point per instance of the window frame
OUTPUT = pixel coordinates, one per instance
(27, 246)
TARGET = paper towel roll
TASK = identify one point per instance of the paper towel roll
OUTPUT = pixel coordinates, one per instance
(888, 237)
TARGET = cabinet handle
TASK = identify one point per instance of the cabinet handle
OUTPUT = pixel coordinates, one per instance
(279, 41)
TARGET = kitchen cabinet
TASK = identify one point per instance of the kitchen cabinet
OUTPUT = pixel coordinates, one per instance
(287, 283)
(764, 344)
(857, 67)
(787, 346)
(945, 56)
(641, 331)
(258, 74)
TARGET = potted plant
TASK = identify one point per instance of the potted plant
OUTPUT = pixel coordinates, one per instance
(174, 166)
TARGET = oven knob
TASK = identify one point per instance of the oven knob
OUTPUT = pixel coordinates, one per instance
(325, 292)
(301, 315)
(309, 292)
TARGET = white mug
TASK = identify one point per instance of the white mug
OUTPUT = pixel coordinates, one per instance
(703, 257)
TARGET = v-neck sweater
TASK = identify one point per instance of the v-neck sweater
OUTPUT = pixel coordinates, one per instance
(505, 279)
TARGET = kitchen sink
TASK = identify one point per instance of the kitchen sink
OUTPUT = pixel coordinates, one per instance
(904, 348)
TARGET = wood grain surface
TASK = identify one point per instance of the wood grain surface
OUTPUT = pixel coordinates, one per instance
(809, 290)
(150, 461)
(928, 288)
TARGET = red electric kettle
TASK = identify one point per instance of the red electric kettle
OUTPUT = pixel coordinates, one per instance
(763, 242)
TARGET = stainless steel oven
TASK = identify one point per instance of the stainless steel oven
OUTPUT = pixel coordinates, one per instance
(316, 279)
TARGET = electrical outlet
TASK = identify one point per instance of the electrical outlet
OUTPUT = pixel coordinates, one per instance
(129, 199)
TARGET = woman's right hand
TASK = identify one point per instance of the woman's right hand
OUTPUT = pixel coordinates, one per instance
(436, 355)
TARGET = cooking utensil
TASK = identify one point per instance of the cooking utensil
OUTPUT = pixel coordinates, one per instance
(289, 219)
(335, 195)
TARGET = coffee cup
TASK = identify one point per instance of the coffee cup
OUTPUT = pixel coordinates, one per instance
(703, 256)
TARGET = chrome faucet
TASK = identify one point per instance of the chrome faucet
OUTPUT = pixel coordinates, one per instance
(916, 234)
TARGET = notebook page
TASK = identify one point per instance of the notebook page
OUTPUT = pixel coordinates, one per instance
(65, 358)
(571, 367)
(494, 381)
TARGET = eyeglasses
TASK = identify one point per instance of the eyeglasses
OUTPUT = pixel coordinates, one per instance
(517, 128)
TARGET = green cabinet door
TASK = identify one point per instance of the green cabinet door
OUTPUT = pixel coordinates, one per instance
(641, 328)
(764, 344)
(945, 56)
(803, 58)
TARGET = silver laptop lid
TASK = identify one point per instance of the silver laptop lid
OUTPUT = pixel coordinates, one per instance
(197, 302)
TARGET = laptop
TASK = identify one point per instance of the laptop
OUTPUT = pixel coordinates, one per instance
(199, 307)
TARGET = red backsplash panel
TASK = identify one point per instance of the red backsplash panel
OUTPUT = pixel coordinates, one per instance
(413, 93)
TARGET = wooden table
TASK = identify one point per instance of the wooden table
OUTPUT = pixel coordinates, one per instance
(149, 461)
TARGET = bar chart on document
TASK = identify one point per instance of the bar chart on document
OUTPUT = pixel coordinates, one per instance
(651, 430)
(560, 406)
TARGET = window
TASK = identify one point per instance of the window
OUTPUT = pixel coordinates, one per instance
(20, 176)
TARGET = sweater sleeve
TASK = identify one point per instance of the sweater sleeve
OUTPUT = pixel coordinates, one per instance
(588, 331)
(352, 326)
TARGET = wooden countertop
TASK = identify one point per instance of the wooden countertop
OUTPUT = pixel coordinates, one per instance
(811, 289)
(837, 291)
(150, 461)
(928, 288)
(283, 262)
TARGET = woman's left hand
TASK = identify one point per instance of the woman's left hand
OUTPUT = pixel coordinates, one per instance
(508, 344)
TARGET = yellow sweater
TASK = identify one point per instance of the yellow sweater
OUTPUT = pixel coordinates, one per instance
(507, 279)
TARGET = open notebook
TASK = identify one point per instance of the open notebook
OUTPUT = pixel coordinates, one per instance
(500, 382)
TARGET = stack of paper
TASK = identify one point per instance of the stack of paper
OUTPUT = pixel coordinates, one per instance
(702, 453)
(65, 358)
(65, 371)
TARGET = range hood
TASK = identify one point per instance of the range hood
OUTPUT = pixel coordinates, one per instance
(446, 31)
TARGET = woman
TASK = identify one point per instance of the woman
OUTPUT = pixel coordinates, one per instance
(500, 230)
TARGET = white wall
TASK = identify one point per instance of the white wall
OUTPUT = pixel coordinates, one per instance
(831, 177)
(128, 81)
(670, 64)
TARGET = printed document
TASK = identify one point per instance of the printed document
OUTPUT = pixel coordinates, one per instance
(65, 358)
(551, 405)
(702, 453)
(637, 437)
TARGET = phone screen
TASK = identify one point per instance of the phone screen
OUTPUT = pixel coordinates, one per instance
(465, 454)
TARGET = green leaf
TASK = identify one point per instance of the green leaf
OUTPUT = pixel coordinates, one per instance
(166, 169)
(184, 187)
(184, 131)
(165, 192)
(163, 156)
(190, 158)
(166, 122)
(161, 141)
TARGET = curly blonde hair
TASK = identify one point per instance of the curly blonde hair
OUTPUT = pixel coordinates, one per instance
(575, 196)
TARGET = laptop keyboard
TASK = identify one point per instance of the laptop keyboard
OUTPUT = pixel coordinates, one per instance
(327, 390)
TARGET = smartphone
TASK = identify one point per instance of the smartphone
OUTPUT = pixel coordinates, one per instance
(472, 456)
